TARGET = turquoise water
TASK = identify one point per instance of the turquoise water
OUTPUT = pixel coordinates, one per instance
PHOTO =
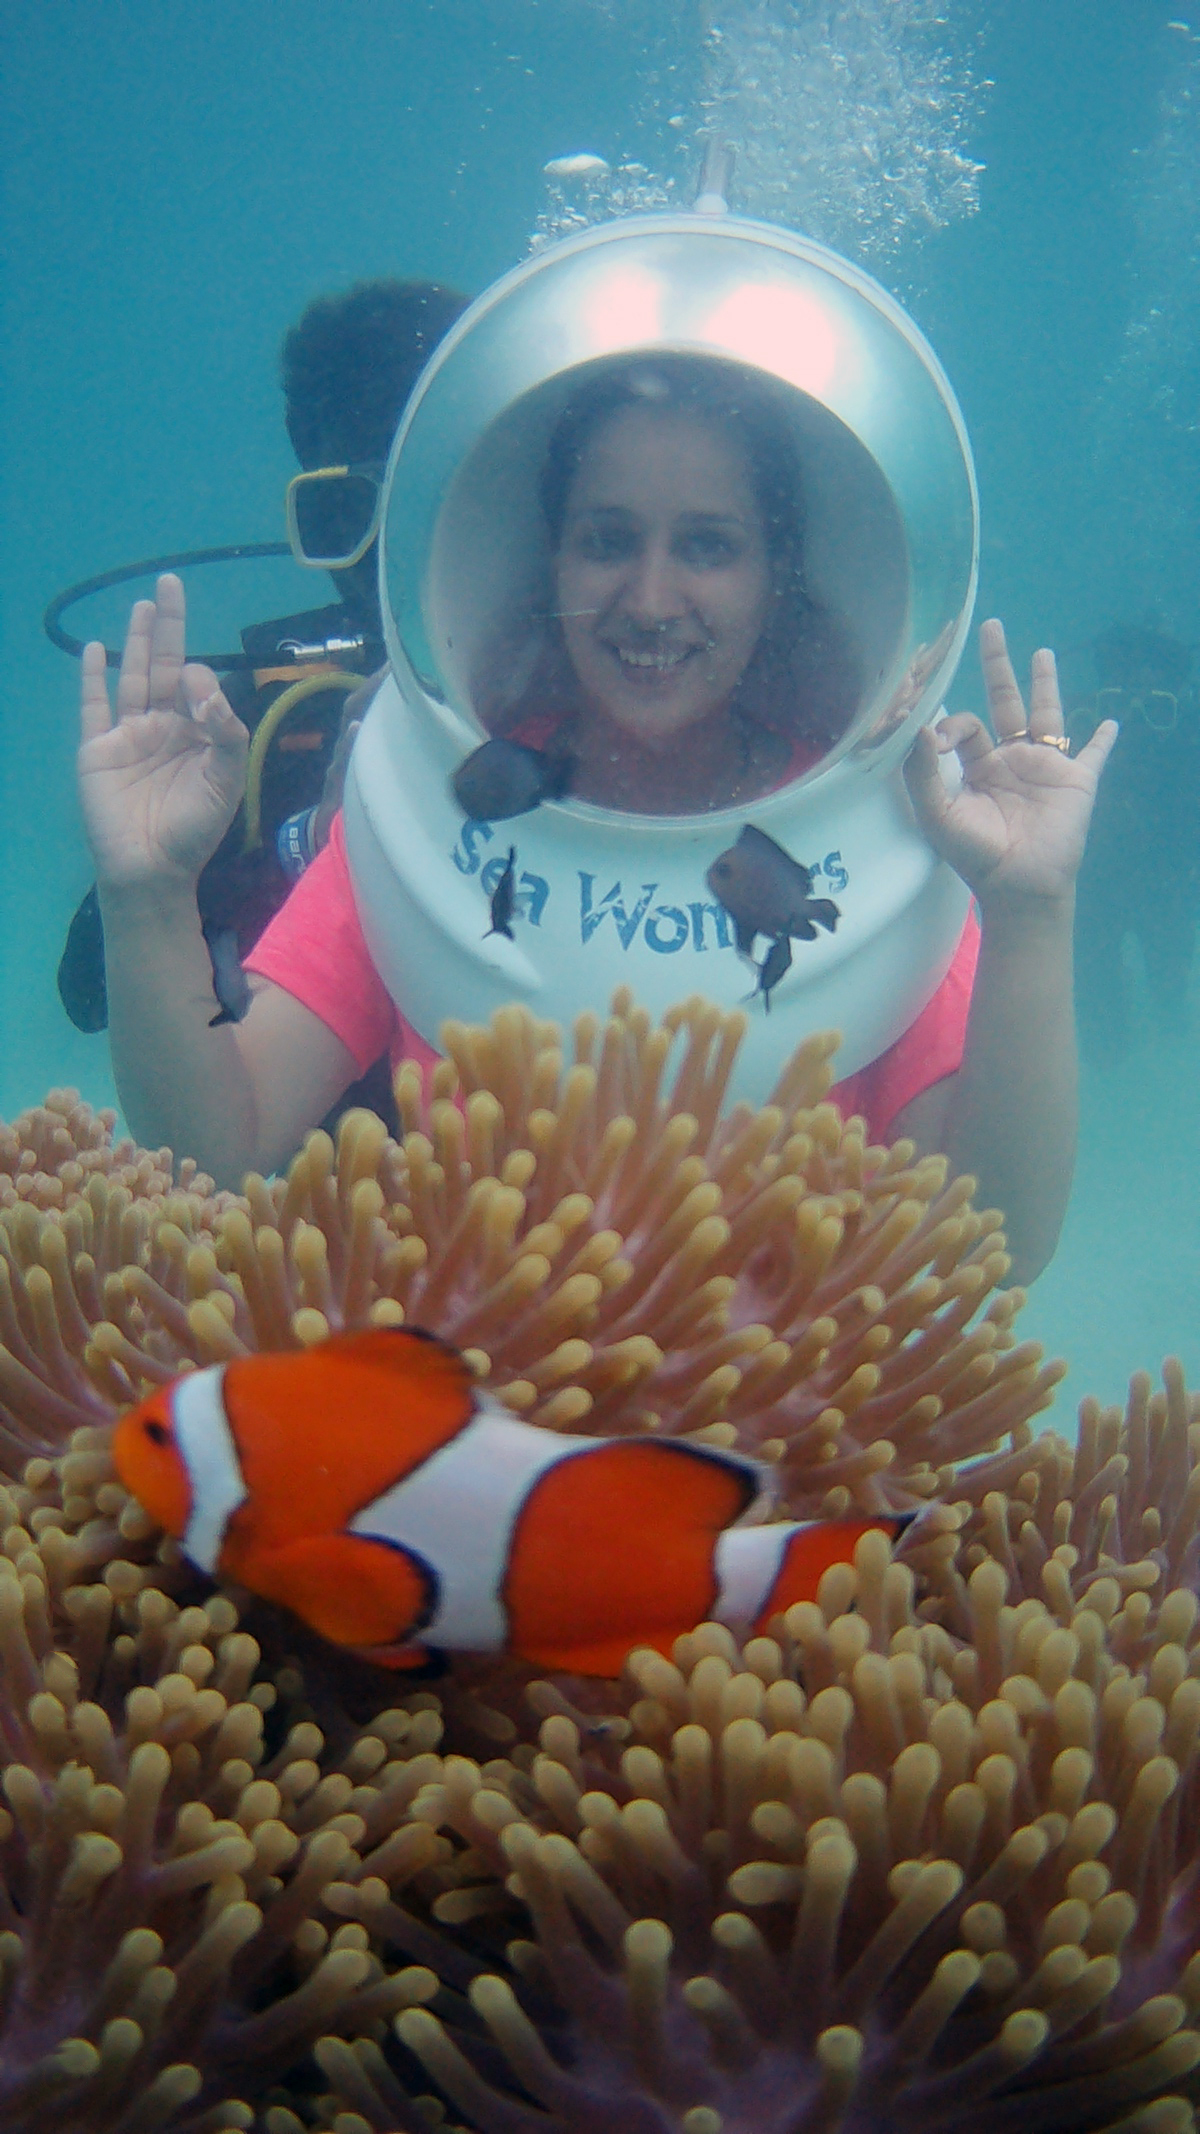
(184, 177)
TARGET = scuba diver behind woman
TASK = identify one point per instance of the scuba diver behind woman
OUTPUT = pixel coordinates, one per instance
(666, 591)
(347, 368)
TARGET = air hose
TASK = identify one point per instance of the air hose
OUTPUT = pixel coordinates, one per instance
(266, 730)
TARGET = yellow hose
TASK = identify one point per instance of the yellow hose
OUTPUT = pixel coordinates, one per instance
(266, 730)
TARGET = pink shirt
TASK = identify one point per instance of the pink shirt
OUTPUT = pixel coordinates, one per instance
(314, 948)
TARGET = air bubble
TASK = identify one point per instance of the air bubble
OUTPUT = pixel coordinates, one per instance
(852, 122)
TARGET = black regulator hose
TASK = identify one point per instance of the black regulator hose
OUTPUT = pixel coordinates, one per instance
(187, 558)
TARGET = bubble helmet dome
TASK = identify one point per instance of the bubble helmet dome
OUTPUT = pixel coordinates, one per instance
(890, 545)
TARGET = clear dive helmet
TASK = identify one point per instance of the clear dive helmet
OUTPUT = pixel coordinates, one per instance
(890, 545)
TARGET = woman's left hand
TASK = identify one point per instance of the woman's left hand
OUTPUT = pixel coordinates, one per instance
(1015, 829)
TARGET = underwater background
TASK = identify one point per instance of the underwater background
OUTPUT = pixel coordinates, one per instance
(183, 178)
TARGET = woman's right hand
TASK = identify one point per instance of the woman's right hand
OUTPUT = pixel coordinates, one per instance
(160, 784)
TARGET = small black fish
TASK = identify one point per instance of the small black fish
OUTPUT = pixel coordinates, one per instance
(81, 982)
(503, 778)
(504, 898)
(766, 891)
(775, 965)
(230, 983)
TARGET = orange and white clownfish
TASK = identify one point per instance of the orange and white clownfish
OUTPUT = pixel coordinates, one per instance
(372, 1487)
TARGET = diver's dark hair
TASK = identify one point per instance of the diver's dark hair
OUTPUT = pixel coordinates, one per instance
(349, 364)
(1128, 650)
(801, 682)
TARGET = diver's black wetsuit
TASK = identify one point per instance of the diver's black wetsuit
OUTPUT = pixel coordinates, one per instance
(239, 891)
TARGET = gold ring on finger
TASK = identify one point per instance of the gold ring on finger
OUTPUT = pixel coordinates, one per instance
(1058, 741)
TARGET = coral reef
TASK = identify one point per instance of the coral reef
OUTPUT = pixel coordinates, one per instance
(928, 1855)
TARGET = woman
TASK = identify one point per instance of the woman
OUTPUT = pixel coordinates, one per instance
(667, 586)
(672, 499)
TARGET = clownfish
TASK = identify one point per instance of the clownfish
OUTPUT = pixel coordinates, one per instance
(372, 1487)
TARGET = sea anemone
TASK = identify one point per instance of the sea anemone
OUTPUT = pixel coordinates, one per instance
(928, 1853)
(859, 1876)
(613, 1250)
(165, 1843)
(868, 1870)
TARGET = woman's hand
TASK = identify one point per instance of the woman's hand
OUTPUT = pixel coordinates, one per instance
(1016, 828)
(160, 785)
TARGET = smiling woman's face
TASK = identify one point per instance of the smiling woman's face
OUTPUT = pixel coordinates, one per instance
(662, 575)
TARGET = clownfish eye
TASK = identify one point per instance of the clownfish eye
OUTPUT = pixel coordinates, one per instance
(158, 1434)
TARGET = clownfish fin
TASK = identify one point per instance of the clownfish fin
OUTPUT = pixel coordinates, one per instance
(605, 1658)
(351, 1589)
(422, 1359)
(397, 1656)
